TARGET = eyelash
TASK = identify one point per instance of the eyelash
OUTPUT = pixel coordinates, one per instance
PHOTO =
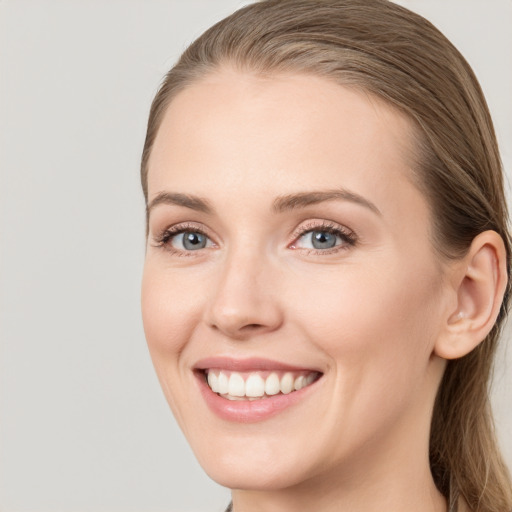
(164, 239)
(348, 237)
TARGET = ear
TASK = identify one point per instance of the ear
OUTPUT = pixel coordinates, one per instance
(479, 282)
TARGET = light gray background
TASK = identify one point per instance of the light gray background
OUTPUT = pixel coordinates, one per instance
(83, 423)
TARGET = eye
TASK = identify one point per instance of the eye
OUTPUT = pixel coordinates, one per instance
(182, 239)
(189, 241)
(321, 239)
(324, 238)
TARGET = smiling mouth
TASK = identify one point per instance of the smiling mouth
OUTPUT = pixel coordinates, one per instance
(257, 385)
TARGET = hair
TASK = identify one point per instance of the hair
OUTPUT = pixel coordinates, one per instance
(388, 51)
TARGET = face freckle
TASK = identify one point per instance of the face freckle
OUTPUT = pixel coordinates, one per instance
(357, 310)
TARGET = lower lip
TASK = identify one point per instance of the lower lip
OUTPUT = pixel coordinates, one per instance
(250, 411)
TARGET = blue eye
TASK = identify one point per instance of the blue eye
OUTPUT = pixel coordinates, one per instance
(183, 239)
(189, 241)
(323, 238)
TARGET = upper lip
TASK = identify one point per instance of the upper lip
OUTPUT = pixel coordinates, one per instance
(248, 364)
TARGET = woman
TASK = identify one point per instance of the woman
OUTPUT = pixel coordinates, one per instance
(327, 261)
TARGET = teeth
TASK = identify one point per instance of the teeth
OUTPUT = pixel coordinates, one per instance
(254, 386)
(272, 386)
(299, 383)
(236, 385)
(233, 386)
(213, 382)
(223, 383)
(309, 379)
(287, 383)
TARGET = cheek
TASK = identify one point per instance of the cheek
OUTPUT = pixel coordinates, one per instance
(170, 309)
(377, 327)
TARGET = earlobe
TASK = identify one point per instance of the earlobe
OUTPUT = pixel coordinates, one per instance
(480, 280)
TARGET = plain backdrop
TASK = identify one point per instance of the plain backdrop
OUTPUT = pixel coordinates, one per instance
(84, 426)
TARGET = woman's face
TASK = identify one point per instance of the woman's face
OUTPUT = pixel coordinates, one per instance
(289, 248)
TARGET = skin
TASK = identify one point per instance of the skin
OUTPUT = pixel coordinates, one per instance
(368, 314)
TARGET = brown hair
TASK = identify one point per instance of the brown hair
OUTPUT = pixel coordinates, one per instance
(385, 49)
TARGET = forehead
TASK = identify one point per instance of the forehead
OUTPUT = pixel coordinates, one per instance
(290, 132)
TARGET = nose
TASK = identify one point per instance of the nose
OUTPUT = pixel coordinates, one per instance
(245, 299)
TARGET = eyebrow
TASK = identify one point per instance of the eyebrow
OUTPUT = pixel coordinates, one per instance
(193, 202)
(303, 199)
(281, 204)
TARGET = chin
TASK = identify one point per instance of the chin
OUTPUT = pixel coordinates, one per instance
(259, 461)
(252, 476)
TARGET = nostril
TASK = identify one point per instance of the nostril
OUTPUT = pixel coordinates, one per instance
(251, 327)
